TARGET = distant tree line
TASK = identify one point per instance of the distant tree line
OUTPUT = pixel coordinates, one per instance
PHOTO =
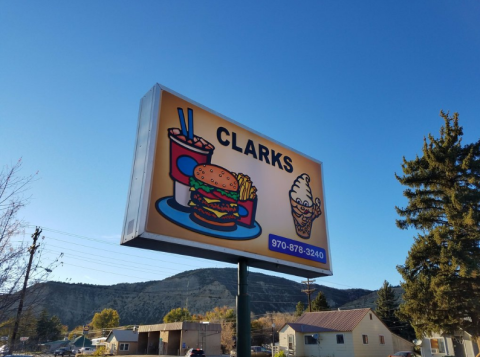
(41, 329)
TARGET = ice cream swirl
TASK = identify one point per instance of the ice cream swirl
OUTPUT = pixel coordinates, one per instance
(304, 209)
(301, 192)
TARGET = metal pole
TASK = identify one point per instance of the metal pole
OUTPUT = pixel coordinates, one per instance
(243, 312)
(273, 337)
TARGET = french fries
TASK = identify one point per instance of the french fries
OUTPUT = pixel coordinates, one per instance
(246, 189)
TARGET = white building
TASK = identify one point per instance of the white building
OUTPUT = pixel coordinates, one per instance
(460, 344)
(97, 342)
(342, 333)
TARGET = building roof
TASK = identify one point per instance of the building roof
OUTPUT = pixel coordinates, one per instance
(338, 320)
(57, 342)
(123, 336)
(82, 341)
(308, 328)
(184, 325)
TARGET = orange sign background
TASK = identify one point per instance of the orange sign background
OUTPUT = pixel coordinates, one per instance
(274, 213)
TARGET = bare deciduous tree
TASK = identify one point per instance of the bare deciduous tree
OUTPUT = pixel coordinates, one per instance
(15, 285)
(13, 187)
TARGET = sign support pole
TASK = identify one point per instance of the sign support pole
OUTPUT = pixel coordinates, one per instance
(243, 312)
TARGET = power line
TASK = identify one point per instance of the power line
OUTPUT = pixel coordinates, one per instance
(133, 255)
(232, 285)
(116, 245)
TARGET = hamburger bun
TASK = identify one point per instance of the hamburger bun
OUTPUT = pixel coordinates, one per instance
(216, 176)
(226, 226)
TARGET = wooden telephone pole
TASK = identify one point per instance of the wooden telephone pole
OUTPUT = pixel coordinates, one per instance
(309, 292)
(32, 249)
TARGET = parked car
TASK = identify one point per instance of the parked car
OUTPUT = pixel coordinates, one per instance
(86, 350)
(256, 351)
(195, 352)
(259, 351)
(402, 354)
(63, 351)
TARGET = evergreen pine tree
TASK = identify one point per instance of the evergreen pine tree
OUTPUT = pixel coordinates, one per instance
(299, 309)
(386, 305)
(48, 328)
(56, 328)
(442, 271)
(320, 303)
(43, 327)
(386, 308)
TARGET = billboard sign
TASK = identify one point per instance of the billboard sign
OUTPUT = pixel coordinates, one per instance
(206, 186)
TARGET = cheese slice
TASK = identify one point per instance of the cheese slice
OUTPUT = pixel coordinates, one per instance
(217, 213)
(210, 200)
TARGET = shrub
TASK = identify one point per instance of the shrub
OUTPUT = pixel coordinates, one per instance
(100, 351)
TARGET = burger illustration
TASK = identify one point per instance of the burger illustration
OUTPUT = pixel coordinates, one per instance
(214, 197)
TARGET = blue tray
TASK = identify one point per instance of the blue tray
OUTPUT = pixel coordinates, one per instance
(182, 218)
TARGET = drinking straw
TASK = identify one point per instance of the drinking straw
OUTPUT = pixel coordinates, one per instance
(190, 124)
(182, 122)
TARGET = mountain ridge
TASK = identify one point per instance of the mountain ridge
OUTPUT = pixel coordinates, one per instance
(199, 290)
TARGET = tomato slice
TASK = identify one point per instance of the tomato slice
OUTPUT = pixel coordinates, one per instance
(206, 194)
(225, 198)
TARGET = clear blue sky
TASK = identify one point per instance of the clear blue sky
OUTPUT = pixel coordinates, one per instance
(354, 84)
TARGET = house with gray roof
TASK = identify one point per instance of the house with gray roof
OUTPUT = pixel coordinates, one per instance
(340, 333)
(122, 342)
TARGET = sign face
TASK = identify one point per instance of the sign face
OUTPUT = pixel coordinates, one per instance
(23, 338)
(205, 186)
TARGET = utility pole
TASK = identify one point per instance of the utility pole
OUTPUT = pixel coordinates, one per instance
(273, 337)
(309, 292)
(186, 302)
(32, 249)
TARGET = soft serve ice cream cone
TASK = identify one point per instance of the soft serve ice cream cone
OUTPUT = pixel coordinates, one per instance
(304, 209)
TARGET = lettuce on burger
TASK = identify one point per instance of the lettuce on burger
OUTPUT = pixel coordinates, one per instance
(214, 197)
